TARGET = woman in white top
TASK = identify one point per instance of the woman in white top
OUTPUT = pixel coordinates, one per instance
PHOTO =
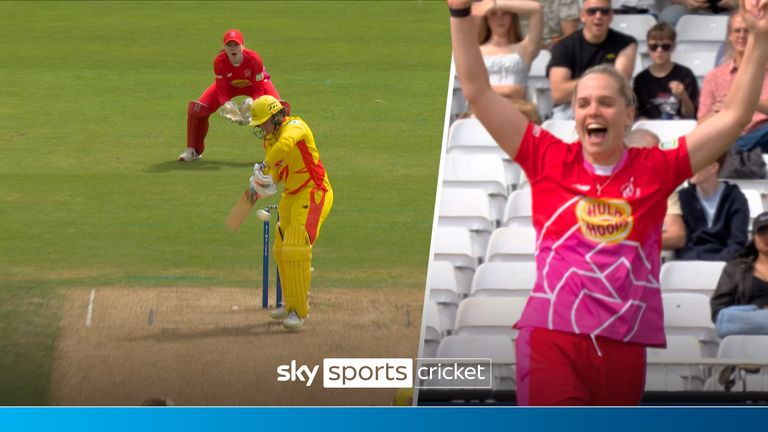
(507, 54)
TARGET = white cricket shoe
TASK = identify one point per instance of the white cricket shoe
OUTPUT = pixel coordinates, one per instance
(293, 322)
(189, 155)
(279, 313)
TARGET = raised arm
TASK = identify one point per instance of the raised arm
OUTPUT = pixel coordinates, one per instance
(502, 120)
(713, 137)
(625, 61)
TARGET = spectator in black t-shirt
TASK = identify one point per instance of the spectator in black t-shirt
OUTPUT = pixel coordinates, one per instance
(595, 44)
(665, 90)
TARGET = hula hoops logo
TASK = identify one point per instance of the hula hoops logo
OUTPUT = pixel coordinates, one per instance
(604, 221)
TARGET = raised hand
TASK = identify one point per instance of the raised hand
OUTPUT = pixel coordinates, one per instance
(755, 15)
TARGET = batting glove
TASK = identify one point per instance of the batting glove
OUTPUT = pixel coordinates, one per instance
(257, 190)
(261, 176)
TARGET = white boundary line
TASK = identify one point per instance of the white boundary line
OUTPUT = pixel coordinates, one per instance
(89, 314)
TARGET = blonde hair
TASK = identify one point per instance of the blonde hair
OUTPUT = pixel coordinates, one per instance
(623, 87)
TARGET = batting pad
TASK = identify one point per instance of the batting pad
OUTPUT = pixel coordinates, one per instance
(295, 270)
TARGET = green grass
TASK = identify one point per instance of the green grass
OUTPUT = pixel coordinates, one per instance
(93, 114)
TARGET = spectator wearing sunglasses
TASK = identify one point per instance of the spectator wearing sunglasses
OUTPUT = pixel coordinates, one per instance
(665, 90)
(595, 44)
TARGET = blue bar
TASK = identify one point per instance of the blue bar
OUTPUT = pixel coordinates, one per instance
(385, 419)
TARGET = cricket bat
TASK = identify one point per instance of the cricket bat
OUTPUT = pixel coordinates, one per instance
(239, 212)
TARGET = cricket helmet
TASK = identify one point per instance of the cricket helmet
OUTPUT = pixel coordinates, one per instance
(263, 108)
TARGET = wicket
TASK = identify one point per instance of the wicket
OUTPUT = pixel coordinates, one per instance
(265, 266)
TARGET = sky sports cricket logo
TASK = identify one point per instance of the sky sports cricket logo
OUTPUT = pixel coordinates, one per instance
(391, 373)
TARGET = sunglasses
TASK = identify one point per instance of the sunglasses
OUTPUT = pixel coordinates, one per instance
(762, 231)
(594, 10)
(654, 46)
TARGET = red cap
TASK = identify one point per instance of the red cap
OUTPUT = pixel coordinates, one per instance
(233, 35)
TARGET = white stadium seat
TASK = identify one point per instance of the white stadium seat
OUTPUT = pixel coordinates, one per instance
(518, 211)
(504, 279)
(465, 207)
(539, 84)
(754, 348)
(481, 171)
(755, 202)
(433, 331)
(470, 133)
(512, 244)
(563, 129)
(675, 377)
(700, 62)
(691, 276)
(443, 287)
(454, 245)
(701, 32)
(635, 25)
(690, 314)
(488, 316)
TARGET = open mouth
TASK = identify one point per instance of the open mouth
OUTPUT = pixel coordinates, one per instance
(596, 132)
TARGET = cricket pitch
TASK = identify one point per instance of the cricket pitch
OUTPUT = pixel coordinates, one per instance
(216, 346)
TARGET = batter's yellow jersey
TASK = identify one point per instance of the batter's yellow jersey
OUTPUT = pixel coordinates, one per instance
(293, 158)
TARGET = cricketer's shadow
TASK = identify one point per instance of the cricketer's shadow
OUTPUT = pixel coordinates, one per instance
(198, 165)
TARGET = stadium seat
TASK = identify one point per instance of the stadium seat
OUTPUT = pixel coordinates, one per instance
(499, 349)
(666, 129)
(433, 331)
(744, 347)
(485, 172)
(468, 208)
(761, 186)
(563, 129)
(454, 244)
(689, 314)
(539, 84)
(465, 207)
(488, 316)
(635, 25)
(755, 202)
(675, 377)
(700, 62)
(445, 291)
(512, 244)
(504, 279)
(701, 32)
(691, 276)
(470, 133)
(482, 171)
(469, 137)
(518, 210)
